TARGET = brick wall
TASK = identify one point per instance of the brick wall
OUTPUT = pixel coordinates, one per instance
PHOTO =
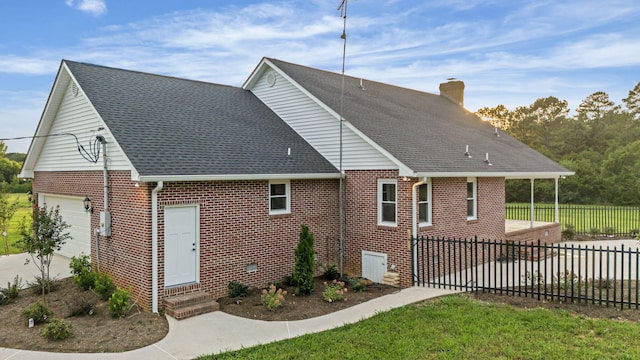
(236, 229)
(449, 217)
(126, 256)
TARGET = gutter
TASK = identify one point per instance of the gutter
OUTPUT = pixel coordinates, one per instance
(154, 245)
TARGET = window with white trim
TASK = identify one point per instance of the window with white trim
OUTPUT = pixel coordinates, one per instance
(279, 197)
(424, 204)
(472, 199)
(387, 204)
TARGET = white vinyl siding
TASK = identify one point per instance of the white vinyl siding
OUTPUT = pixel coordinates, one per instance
(318, 127)
(76, 116)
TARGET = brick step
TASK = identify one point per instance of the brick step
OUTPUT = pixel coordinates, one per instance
(192, 304)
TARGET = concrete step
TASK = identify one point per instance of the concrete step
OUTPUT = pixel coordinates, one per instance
(192, 304)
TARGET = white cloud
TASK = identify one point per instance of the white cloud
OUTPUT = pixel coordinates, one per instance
(27, 65)
(93, 7)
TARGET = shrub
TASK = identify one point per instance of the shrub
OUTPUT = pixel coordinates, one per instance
(39, 312)
(569, 232)
(237, 289)
(334, 291)
(81, 270)
(103, 286)
(360, 284)
(12, 291)
(57, 329)
(567, 280)
(80, 265)
(603, 283)
(609, 230)
(273, 298)
(119, 303)
(38, 287)
(82, 306)
(594, 232)
(304, 261)
(288, 280)
(331, 272)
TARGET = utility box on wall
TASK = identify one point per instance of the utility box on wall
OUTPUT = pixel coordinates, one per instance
(105, 223)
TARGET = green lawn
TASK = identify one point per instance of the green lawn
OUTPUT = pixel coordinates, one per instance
(13, 233)
(586, 219)
(455, 327)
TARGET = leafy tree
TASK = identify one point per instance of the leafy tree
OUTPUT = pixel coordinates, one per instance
(304, 261)
(498, 116)
(42, 239)
(596, 106)
(632, 102)
(7, 210)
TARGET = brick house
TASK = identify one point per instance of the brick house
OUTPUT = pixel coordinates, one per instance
(193, 185)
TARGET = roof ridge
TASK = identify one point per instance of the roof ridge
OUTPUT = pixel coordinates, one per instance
(353, 77)
(140, 72)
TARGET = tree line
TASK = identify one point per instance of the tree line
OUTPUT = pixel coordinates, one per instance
(10, 165)
(600, 143)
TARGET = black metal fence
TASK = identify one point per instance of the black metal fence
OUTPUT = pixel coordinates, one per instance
(595, 221)
(558, 272)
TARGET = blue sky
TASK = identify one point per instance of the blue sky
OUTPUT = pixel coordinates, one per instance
(507, 52)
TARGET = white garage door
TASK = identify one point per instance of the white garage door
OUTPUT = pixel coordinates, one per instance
(73, 213)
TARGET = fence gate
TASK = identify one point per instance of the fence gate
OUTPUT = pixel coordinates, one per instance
(557, 272)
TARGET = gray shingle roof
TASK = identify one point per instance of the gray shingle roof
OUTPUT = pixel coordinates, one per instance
(171, 126)
(426, 132)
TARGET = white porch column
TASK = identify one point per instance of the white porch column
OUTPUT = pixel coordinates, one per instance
(557, 212)
(532, 207)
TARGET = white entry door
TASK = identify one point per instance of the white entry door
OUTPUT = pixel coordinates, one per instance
(180, 245)
(374, 265)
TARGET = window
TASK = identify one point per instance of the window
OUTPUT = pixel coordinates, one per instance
(472, 195)
(387, 202)
(279, 197)
(424, 204)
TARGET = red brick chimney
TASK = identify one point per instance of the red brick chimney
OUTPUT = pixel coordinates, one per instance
(453, 90)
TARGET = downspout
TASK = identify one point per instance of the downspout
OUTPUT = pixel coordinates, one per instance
(154, 245)
(414, 219)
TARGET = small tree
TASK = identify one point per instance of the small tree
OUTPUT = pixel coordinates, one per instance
(42, 239)
(7, 210)
(304, 257)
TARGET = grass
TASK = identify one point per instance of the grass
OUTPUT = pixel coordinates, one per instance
(456, 327)
(586, 219)
(13, 232)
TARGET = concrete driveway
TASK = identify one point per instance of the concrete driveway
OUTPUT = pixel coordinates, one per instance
(12, 265)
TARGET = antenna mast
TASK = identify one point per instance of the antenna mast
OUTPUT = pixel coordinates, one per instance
(343, 13)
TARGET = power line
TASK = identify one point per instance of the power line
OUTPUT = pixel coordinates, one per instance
(92, 155)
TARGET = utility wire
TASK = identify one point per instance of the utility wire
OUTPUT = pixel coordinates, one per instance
(92, 155)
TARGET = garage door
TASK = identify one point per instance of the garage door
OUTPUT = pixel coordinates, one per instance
(72, 212)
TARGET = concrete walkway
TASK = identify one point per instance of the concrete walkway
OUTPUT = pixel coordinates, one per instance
(219, 332)
(12, 265)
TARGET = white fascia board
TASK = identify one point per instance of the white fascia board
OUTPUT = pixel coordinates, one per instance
(46, 120)
(261, 69)
(230, 177)
(507, 175)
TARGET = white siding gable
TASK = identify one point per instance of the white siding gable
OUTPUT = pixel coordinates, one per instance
(318, 126)
(77, 116)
